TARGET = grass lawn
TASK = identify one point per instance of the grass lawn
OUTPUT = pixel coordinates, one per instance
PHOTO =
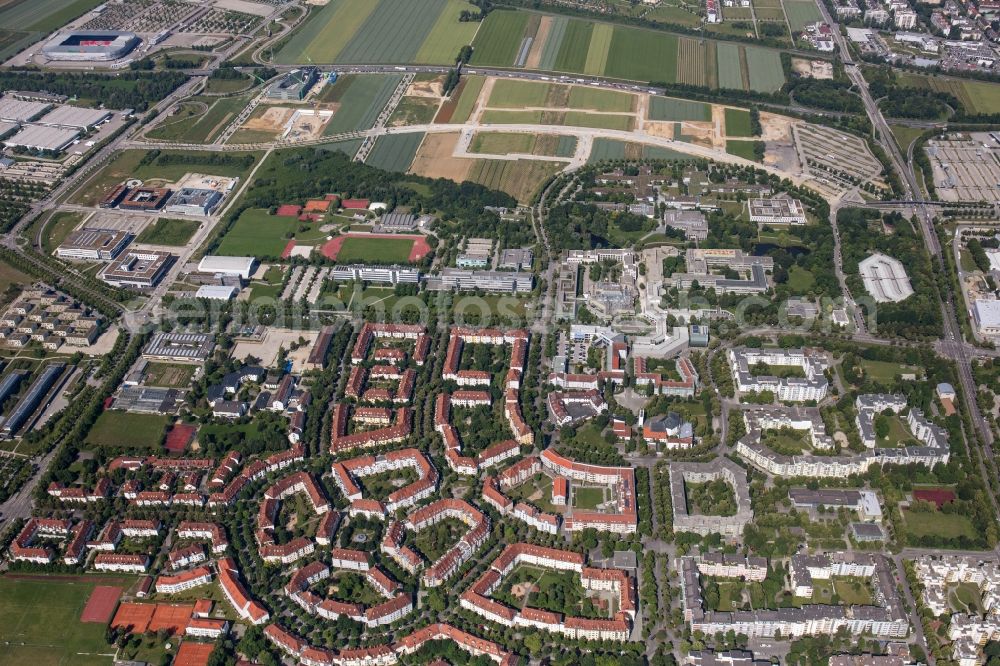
(169, 375)
(123, 429)
(966, 598)
(884, 372)
(362, 97)
(502, 143)
(414, 111)
(168, 232)
(31, 609)
(947, 526)
(57, 228)
(738, 122)
(513, 94)
(899, 434)
(388, 250)
(905, 135)
(786, 443)
(595, 99)
(224, 86)
(742, 149)
(853, 591)
(270, 286)
(257, 234)
(587, 498)
(800, 280)
(199, 119)
(11, 276)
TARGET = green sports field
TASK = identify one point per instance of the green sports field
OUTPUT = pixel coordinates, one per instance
(579, 46)
(40, 624)
(381, 31)
(127, 430)
(258, 234)
(385, 250)
(801, 13)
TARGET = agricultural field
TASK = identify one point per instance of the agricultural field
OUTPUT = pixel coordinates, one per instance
(381, 31)
(395, 152)
(801, 13)
(29, 610)
(578, 46)
(459, 106)
(671, 109)
(361, 97)
(169, 375)
(168, 232)
(978, 97)
(521, 179)
(612, 149)
(35, 19)
(125, 430)
(742, 149)
(505, 143)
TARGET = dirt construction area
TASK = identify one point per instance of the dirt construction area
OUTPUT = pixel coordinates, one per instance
(434, 158)
(815, 69)
(275, 338)
(297, 124)
(273, 119)
(433, 88)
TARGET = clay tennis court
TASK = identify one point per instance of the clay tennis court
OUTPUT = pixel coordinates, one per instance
(940, 496)
(179, 437)
(153, 617)
(418, 251)
(193, 654)
(101, 604)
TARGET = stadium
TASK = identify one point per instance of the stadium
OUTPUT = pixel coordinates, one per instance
(91, 45)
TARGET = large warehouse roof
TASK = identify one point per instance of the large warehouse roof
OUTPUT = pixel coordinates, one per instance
(44, 138)
(74, 117)
(16, 110)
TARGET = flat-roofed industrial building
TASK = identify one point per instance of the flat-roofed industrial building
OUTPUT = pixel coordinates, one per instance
(74, 117)
(40, 137)
(21, 111)
(94, 244)
(193, 201)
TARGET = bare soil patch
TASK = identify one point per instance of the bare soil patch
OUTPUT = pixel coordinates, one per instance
(435, 158)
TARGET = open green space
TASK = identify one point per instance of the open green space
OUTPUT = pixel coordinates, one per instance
(127, 430)
(199, 119)
(597, 99)
(744, 149)
(168, 232)
(738, 122)
(258, 234)
(976, 96)
(380, 486)
(786, 441)
(905, 135)
(885, 372)
(395, 152)
(414, 111)
(800, 280)
(519, 178)
(269, 286)
(434, 541)
(351, 587)
(937, 524)
(587, 499)
(40, 623)
(58, 228)
(10, 276)
(362, 97)
(966, 598)
(549, 590)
